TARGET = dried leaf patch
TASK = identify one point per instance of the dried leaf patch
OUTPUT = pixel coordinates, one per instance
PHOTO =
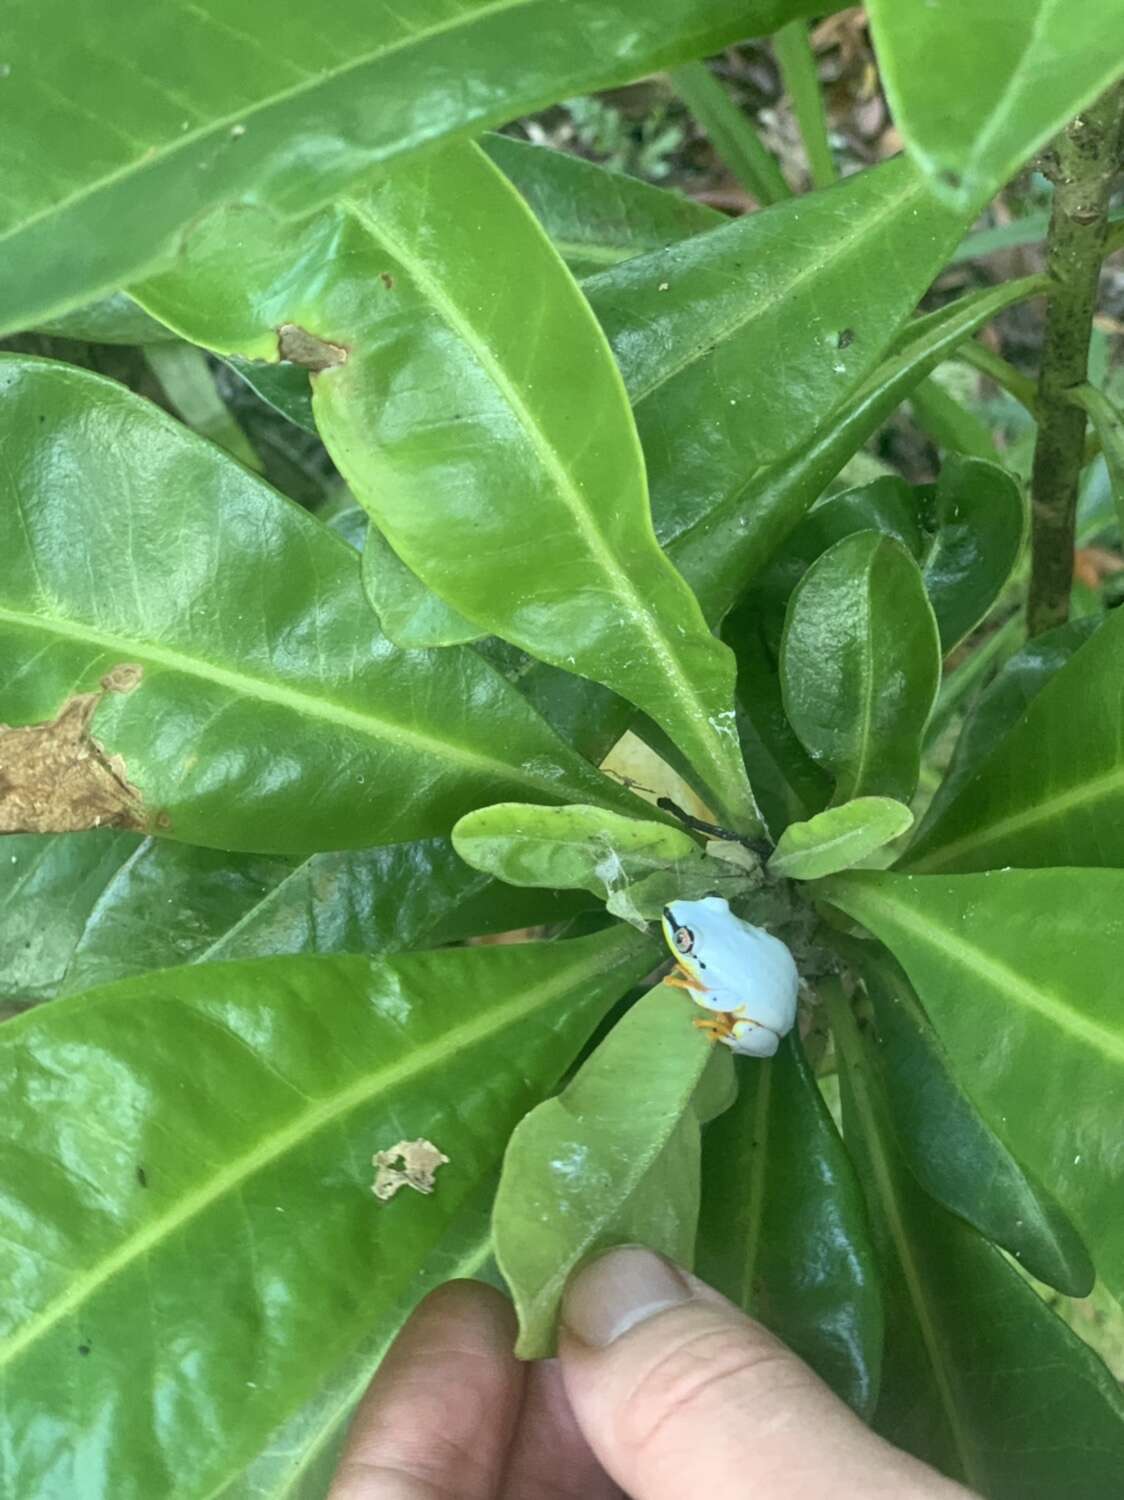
(408, 1164)
(300, 347)
(55, 778)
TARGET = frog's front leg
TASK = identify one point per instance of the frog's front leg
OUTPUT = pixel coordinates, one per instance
(681, 978)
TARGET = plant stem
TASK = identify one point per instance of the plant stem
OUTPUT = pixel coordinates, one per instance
(802, 85)
(1081, 165)
(731, 132)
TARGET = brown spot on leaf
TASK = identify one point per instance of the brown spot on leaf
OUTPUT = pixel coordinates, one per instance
(408, 1164)
(55, 778)
(300, 347)
(387, 280)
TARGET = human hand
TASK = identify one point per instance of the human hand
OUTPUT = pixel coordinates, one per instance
(662, 1390)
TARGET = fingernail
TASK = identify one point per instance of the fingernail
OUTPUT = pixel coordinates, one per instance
(619, 1290)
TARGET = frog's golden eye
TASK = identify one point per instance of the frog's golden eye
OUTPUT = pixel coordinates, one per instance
(684, 939)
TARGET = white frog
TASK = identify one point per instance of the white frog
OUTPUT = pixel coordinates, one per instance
(741, 972)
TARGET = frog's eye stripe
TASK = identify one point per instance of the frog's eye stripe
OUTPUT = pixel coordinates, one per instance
(684, 939)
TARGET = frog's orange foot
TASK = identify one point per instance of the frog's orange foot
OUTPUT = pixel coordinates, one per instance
(682, 979)
(718, 1027)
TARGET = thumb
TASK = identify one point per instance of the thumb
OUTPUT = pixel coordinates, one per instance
(681, 1396)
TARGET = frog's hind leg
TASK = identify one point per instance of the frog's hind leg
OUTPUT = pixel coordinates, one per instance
(719, 1027)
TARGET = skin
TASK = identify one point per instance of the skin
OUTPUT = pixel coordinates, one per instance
(663, 1391)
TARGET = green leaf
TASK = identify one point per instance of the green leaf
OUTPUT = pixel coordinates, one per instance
(115, 319)
(49, 885)
(596, 217)
(189, 385)
(838, 838)
(1108, 424)
(242, 1218)
(981, 527)
(732, 133)
(568, 847)
(948, 423)
(608, 1162)
(975, 91)
(783, 1231)
(470, 442)
(413, 616)
(860, 665)
(1001, 704)
(1052, 792)
(956, 1157)
(270, 714)
(979, 1376)
(281, 110)
(284, 387)
(1019, 971)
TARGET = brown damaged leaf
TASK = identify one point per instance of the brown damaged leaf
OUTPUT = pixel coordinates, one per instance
(299, 347)
(408, 1164)
(54, 778)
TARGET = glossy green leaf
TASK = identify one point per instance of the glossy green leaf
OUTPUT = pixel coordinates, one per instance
(482, 453)
(783, 1231)
(189, 385)
(49, 885)
(115, 319)
(1108, 424)
(1001, 704)
(976, 88)
(284, 387)
(596, 217)
(147, 1210)
(838, 838)
(1020, 972)
(564, 848)
(1052, 791)
(412, 615)
(860, 665)
(980, 1377)
(270, 713)
(279, 107)
(731, 131)
(956, 1157)
(613, 1160)
(981, 526)
(949, 423)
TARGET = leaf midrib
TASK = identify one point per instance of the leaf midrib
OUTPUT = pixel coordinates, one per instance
(216, 127)
(296, 699)
(305, 1125)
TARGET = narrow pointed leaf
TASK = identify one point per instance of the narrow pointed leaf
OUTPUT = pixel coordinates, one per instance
(980, 1377)
(468, 397)
(258, 706)
(568, 847)
(1001, 705)
(981, 526)
(975, 90)
(1029, 960)
(783, 1230)
(860, 665)
(1109, 427)
(1052, 792)
(148, 1210)
(608, 1163)
(596, 217)
(955, 1155)
(838, 838)
(282, 108)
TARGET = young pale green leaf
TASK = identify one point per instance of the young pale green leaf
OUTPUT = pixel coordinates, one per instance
(148, 1210)
(1052, 791)
(596, 217)
(860, 665)
(503, 467)
(412, 616)
(981, 526)
(976, 89)
(49, 886)
(1109, 427)
(1000, 706)
(1031, 960)
(566, 848)
(838, 838)
(979, 1377)
(217, 906)
(282, 109)
(782, 1229)
(954, 1154)
(233, 661)
(613, 1160)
